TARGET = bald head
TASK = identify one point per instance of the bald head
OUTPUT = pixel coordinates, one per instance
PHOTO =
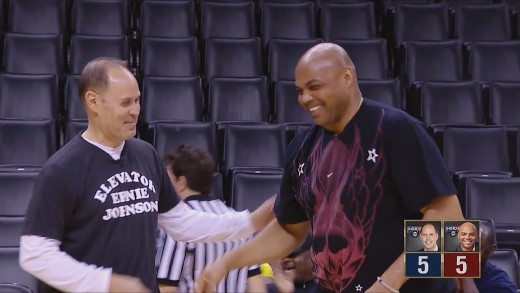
(468, 236)
(327, 54)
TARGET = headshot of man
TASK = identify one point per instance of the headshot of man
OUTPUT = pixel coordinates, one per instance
(467, 237)
(429, 238)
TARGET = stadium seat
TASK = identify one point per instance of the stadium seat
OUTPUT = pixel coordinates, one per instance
(217, 186)
(14, 288)
(100, 18)
(73, 108)
(238, 99)
(387, 91)
(85, 48)
(287, 21)
(233, 58)
(73, 128)
(33, 54)
(494, 61)
(170, 57)
(10, 229)
(497, 199)
(369, 56)
(16, 186)
(250, 189)
(287, 107)
(228, 20)
(10, 270)
(504, 100)
(168, 19)
(348, 21)
(507, 260)
(171, 135)
(253, 146)
(482, 23)
(284, 54)
(172, 98)
(37, 17)
(27, 96)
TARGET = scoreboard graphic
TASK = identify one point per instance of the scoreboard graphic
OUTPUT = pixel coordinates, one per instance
(438, 249)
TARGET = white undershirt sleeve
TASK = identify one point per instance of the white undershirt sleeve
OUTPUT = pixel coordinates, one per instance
(185, 224)
(43, 258)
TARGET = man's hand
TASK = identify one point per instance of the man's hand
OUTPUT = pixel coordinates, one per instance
(264, 214)
(125, 283)
(283, 278)
(208, 280)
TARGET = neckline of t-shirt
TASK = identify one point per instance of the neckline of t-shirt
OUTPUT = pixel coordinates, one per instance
(350, 123)
(114, 153)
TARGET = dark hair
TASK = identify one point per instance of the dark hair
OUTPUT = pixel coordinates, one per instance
(193, 163)
(94, 76)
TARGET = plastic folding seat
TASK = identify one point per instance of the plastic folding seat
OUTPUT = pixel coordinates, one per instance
(85, 48)
(476, 149)
(369, 56)
(497, 199)
(14, 288)
(16, 186)
(228, 20)
(482, 23)
(171, 135)
(238, 99)
(217, 186)
(432, 61)
(504, 102)
(37, 17)
(301, 128)
(73, 108)
(507, 260)
(494, 61)
(170, 57)
(172, 98)
(386, 91)
(250, 189)
(284, 54)
(73, 128)
(29, 96)
(33, 54)
(287, 21)
(253, 146)
(287, 107)
(233, 58)
(420, 22)
(100, 17)
(168, 19)
(27, 142)
(451, 103)
(348, 21)
(10, 270)
(11, 230)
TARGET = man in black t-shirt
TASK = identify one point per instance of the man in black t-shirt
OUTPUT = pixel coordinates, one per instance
(92, 220)
(354, 177)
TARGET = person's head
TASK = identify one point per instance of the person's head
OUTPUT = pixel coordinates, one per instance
(467, 236)
(488, 240)
(110, 95)
(429, 237)
(190, 170)
(326, 83)
(300, 261)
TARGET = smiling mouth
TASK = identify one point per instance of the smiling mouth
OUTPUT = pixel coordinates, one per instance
(314, 109)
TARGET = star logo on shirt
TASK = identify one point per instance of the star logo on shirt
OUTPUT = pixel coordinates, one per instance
(300, 169)
(359, 288)
(372, 155)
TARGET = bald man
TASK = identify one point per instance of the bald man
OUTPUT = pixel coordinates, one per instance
(353, 177)
(467, 237)
(429, 237)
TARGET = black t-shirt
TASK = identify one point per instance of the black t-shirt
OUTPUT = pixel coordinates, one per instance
(356, 188)
(104, 211)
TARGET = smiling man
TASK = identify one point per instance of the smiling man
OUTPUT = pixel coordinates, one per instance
(467, 237)
(429, 238)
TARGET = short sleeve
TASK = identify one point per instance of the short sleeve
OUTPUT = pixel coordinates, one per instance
(287, 208)
(416, 164)
(51, 205)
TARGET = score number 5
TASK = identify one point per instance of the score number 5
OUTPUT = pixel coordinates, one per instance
(423, 261)
(462, 266)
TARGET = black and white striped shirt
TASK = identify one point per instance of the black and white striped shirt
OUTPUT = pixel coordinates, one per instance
(178, 263)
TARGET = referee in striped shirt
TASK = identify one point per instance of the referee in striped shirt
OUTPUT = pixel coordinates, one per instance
(179, 263)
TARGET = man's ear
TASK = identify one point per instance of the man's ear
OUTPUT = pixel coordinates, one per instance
(349, 75)
(92, 101)
(182, 182)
